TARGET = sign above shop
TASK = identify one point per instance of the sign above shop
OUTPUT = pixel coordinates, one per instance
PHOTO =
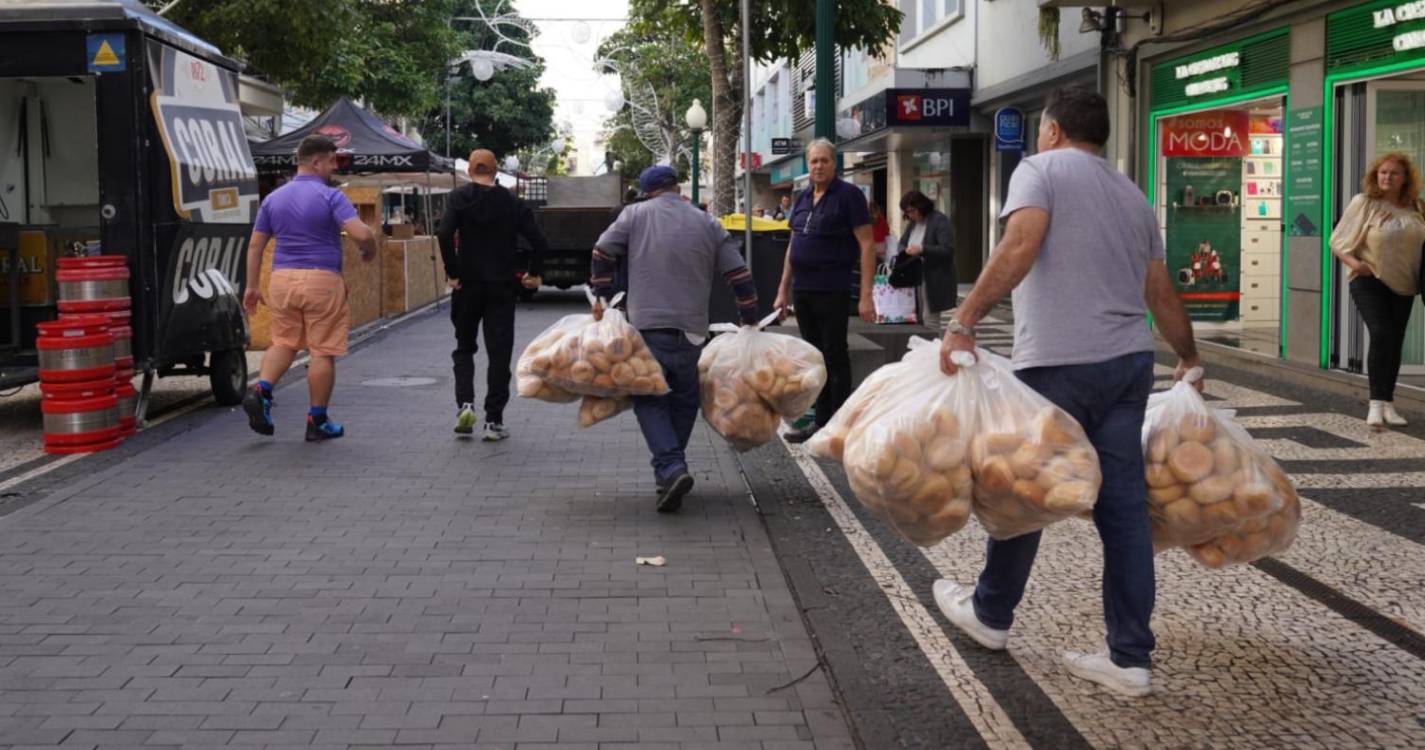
(1219, 133)
(1257, 63)
(1375, 33)
(784, 146)
(1009, 129)
(928, 107)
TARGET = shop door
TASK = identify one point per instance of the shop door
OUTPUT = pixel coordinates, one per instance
(1395, 121)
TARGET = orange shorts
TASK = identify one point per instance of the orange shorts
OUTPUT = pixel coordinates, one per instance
(309, 311)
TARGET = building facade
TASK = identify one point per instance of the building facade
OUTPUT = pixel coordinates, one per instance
(1250, 131)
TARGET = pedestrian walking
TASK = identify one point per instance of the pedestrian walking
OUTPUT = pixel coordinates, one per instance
(306, 295)
(831, 242)
(1378, 239)
(783, 209)
(931, 237)
(477, 236)
(675, 253)
(1084, 258)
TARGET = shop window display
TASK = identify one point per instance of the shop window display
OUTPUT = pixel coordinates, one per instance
(1220, 207)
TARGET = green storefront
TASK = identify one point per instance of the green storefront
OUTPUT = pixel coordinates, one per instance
(1374, 98)
(1217, 178)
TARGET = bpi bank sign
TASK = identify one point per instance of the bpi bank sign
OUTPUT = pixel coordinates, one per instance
(928, 107)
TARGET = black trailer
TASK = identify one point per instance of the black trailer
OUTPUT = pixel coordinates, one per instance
(121, 131)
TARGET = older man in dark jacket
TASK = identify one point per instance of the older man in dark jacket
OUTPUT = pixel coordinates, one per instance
(930, 236)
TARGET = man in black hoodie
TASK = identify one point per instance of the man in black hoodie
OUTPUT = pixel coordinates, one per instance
(486, 217)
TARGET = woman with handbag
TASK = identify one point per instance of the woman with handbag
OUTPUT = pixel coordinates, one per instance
(1379, 239)
(928, 241)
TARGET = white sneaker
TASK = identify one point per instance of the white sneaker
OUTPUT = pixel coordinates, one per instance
(494, 432)
(955, 602)
(1376, 416)
(1392, 417)
(1134, 682)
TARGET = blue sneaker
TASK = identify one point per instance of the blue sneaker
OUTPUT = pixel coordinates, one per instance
(327, 430)
(259, 411)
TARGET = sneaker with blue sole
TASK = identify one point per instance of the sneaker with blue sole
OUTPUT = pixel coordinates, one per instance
(328, 430)
(258, 408)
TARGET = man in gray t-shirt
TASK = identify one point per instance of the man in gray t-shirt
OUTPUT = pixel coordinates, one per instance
(675, 253)
(1082, 254)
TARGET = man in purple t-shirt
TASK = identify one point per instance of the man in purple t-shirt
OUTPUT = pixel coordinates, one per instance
(306, 293)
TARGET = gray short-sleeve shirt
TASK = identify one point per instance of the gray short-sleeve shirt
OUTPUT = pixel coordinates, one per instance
(1082, 302)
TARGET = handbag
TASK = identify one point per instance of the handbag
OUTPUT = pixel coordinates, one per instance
(907, 271)
(893, 304)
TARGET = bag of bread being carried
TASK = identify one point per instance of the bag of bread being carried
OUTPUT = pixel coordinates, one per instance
(1032, 462)
(1211, 489)
(750, 379)
(903, 439)
(595, 409)
(535, 362)
(604, 358)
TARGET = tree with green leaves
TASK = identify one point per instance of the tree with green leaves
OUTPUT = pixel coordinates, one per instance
(387, 53)
(779, 28)
(660, 75)
(506, 113)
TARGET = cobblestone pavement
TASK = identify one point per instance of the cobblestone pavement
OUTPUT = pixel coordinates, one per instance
(400, 586)
(1321, 647)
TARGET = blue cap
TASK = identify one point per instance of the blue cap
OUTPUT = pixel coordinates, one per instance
(657, 177)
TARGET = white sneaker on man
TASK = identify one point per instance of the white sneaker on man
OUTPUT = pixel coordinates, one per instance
(1134, 682)
(955, 603)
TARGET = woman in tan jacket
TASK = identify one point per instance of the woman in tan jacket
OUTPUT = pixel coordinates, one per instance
(1379, 239)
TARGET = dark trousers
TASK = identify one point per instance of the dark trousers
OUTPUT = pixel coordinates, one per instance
(667, 421)
(492, 307)
(1108, 399)
(1386, 314)
(822, 319)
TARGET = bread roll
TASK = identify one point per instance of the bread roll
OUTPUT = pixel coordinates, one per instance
(1226, 457)
(1160, 444)
(1190, 461)
(623, 375)
(1056, 429)
(1071, 497)
(582, 372)
(1197, 428)
(944, 454)
(996, 475)
(1160, 476)
(1029, 459)
(1213, 489)
(1028, 491)
(1165, 495)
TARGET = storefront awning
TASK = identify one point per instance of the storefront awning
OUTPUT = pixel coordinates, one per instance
(889, 140)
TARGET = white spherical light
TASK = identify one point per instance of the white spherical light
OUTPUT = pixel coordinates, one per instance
(512, 163)
(613, 101)
(483, 69)
(579, 33)
(557, 145)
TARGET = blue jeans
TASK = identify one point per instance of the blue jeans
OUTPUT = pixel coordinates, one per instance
(1108, 399)
(667, 421)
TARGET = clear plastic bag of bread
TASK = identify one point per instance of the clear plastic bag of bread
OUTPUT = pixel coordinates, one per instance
(604, 358)
(1032, 463)
(596, 409)
(1211, 489)
(903, 439)
(535, 362)
(750, 379)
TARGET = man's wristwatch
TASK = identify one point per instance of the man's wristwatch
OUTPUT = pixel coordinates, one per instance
(959, 329)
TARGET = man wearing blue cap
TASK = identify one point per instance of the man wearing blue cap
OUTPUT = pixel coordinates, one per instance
(675, 252)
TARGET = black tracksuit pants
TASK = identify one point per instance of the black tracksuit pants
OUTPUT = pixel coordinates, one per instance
(490, 306)
(823, 319)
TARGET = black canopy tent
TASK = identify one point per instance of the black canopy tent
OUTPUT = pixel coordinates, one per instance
(373, 145)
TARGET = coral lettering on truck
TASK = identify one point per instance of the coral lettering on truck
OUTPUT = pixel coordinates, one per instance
(206, 267)
(209, 151)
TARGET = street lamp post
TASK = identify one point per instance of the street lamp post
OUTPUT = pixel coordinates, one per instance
(697, 119)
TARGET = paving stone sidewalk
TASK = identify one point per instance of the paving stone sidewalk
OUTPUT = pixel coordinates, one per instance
(403, 587)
